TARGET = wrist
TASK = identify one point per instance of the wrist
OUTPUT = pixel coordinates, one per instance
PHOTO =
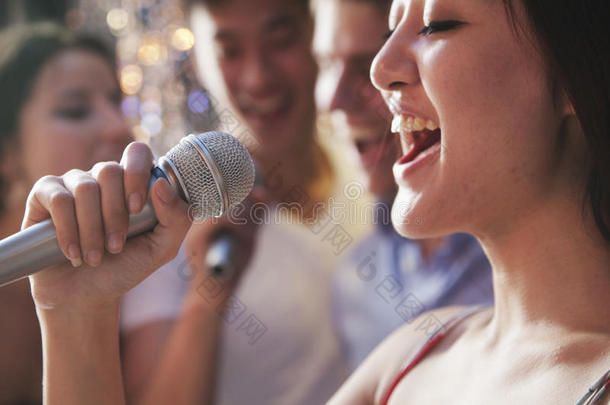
(210, 293)
(79, 314)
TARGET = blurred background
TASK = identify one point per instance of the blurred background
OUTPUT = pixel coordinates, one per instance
(163, 100)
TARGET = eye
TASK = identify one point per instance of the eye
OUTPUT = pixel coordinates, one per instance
(74, 113)
(439, 26)
(229, 53)
(283, 37)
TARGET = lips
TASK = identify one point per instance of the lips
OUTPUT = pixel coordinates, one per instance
(265, 113)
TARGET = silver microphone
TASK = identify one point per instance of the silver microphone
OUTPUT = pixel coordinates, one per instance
(221, 257)
(212, 172)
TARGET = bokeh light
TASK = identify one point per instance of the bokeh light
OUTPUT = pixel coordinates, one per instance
(151, 93)
(183, 39)
(150, 107)
(131, 79)
(131, 106)
(198, 102)
(117, 19)
(152, 51)
(152, 124)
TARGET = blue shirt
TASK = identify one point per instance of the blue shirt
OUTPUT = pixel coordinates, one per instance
(385, 282)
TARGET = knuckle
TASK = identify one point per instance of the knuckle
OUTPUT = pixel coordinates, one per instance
(43, 181)
(86, 187)
(73, 173)
(116, 218)
(108, 170)
(60, 199)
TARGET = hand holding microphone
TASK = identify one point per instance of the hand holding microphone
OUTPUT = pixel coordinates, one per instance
(90, 209)
(221, 249)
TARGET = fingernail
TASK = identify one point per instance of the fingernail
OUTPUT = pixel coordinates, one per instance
(135, 202)
(114, 242)
(166, 193)
(73, 252)
(74, 255)
(94, 258)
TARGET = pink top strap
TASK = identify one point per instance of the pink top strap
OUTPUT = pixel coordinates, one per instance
(428, 345)
(594, 395)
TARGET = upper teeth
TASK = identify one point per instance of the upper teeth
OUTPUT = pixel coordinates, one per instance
(262, 106)
(401, 123)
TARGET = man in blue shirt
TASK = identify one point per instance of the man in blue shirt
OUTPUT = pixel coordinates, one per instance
(386, 280)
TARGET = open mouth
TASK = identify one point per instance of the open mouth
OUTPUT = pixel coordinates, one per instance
(365, 145)
(266, 108)
(417, 135)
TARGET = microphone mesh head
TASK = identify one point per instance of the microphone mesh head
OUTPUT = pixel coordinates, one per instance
(235, 169)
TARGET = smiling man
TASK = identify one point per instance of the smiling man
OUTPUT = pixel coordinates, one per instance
(270, 338)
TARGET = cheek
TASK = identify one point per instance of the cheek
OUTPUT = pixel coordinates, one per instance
(490, 103)
(498, 121)
(296, 67)
(224, 79)
(51, 147)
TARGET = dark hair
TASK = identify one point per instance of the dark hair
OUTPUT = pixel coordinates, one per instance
(188, 4)
(383, 5)
(574, 37)
(24, 51)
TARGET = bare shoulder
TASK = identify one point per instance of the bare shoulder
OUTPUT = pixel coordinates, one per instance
(369, 382)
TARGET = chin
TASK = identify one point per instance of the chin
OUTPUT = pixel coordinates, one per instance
(412, 218)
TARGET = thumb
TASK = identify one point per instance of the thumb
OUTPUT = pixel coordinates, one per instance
(172, 214)
(259, 194)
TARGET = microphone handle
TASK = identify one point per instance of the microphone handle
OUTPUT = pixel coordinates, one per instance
(36, 248)
(222, 256)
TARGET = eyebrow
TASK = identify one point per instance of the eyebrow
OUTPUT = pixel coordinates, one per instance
(357, 58)
(74, 94)
(279, 22)
(78, 94)
(224, 35)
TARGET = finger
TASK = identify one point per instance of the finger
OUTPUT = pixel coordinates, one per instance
(172, 213)
(109, 176)
(200, 234)
(87, 205)
(258, 195)
(50, 198)
(137, 161)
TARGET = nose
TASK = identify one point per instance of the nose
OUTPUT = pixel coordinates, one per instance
(395, 66)
(257, 73)
(114, 128)
(346, 96)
